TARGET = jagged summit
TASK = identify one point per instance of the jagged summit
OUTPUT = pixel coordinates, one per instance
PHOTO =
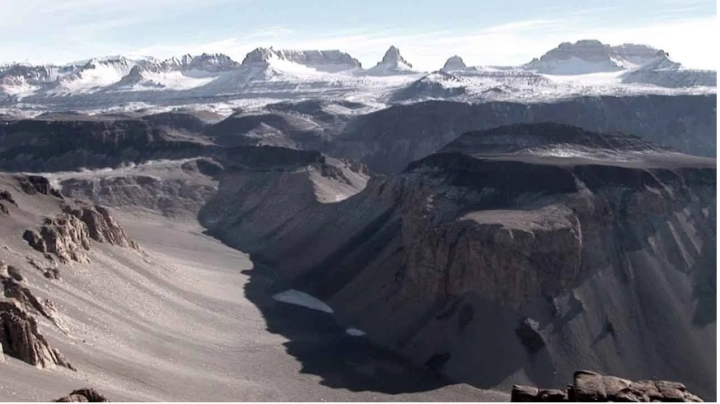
(392, 56)
(392, 64)
(454, 63)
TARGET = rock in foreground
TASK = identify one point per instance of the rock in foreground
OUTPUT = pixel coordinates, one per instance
(591, 386)
(83, 396)
(21, 339)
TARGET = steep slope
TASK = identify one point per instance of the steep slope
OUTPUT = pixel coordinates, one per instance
(387, 140)
(72, 142)
(391, 64)
(454, 63)
(138, 324)
(577, 247)
(663, 72)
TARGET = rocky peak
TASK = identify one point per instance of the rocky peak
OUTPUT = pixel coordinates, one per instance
(454, 63)
(393, 57)
(391, 64)
(258, 56)
(636, 54)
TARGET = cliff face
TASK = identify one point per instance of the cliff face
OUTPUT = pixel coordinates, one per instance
(87, 142)
(388, 140)
(533, 263)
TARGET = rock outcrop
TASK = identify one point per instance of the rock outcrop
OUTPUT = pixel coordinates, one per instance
(590, 386)
(82, 396)
(12, 289)
(22, 340)
(101, 226)
(65, 237)
(36, 184)
(68, 235)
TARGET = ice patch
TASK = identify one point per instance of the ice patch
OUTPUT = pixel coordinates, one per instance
(298, 298)
(355, 332)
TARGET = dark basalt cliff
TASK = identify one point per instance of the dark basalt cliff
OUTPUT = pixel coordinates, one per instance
(85, 142)
(388, 140)
(535, 263)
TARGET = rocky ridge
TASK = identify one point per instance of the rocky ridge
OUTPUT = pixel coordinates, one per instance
(590, 386)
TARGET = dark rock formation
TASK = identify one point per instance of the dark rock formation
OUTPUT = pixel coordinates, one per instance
(3, 209)
(388, 140)
(101, 226)
(22, 340)
(83, 395)
(36, 184)
(37, 145)
(65, 236)
(6, 196)
(569, 251)
(590, 386)
(68, 235)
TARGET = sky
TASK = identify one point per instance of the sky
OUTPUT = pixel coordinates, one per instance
(427, 32)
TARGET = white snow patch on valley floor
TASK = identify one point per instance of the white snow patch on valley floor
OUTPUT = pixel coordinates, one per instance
(298, 298)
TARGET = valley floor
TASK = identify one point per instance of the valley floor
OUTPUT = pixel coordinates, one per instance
(189, 319)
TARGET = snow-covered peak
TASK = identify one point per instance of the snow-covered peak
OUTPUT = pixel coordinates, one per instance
(661, 61)
(636, 54)
(393, 56)
(331, 61)
(661, 71)
(454, 63)
(591, 56)
(392, 64)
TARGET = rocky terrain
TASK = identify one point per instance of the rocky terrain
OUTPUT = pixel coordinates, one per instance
(574, 244)
(425, 240)
(591, 386)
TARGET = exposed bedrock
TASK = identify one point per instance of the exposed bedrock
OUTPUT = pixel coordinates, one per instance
(83, 395)
(505, 270)
(387, 140)
(67, 236)
(21, 338)
(590, 386)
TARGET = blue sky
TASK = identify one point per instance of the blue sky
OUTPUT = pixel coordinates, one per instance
(505, 32)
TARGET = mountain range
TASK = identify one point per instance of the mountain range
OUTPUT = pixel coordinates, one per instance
(583, 68)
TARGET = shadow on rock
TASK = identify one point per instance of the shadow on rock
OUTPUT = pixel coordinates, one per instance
(324, 348)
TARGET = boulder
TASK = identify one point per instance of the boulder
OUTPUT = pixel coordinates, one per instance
(523, 394)
(83, 395)
(591, 386)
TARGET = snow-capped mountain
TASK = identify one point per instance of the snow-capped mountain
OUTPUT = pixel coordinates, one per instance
(591, 56)
(392, 64)
(454, 64)
(329, 61)
(584, 68)
(662, 71)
